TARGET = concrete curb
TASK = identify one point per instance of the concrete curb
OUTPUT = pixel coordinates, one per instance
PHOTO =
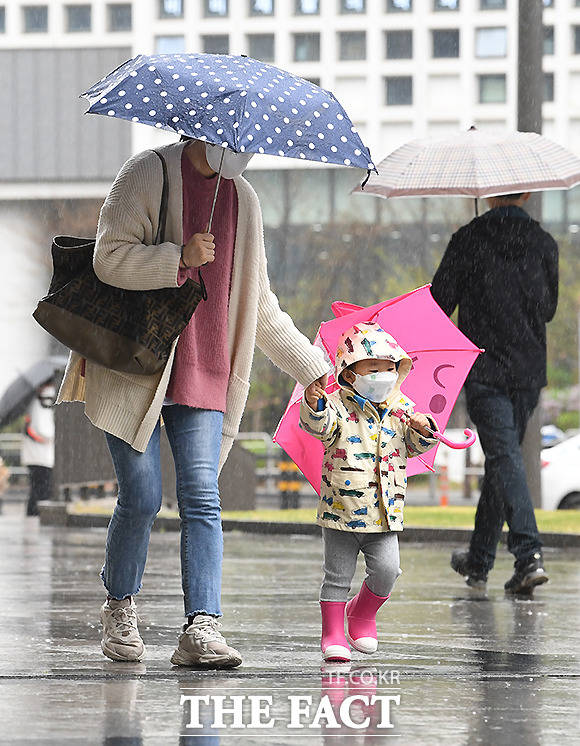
(56, 514)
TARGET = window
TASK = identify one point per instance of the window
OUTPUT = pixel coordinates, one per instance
(445, 4)
(2, 19)
(215, 8)
(492, 89)
(35, 18)
(307, 7)
(399, 6)
(261, 7)
(576, 39)
(169, 44)
(399, 91)
(119, 17)
(548, 40)
(261, 47)
(446, 43)
(170, 8)
(492, 4)
(548, 86)
(491, 42)
(352, 45)
(78, 18)
(399, 45)
(353, 6)
(549, 3)
(306, 47)
(216, 44)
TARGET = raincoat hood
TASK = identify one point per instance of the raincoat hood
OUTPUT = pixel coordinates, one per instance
(369, 341)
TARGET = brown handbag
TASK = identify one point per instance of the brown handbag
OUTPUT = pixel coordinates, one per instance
(131, 331)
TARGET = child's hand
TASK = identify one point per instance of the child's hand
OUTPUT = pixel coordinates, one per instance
(315, 391)
(420, 423)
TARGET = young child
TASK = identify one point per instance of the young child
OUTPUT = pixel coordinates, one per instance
(363, 480)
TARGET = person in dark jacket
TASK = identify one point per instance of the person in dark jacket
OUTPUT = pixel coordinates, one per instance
(501, 270)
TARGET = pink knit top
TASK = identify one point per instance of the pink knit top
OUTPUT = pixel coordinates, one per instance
(201, 368)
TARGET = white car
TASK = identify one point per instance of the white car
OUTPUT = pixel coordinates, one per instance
(561, 475)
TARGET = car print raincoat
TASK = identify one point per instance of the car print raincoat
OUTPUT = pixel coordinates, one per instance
(365, 447)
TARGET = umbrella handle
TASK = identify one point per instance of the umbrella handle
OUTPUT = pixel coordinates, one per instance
(469, 434)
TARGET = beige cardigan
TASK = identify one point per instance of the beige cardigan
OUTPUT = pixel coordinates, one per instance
(129, 406)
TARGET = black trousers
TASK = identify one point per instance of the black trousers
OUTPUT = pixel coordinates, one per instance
(40, 487)
(501, 419)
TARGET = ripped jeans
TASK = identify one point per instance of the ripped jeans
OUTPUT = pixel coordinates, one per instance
(195, 439)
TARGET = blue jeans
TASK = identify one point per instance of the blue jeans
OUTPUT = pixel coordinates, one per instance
(501, 419)
(195, 439)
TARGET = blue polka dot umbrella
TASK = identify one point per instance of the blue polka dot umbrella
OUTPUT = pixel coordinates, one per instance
(237, 102)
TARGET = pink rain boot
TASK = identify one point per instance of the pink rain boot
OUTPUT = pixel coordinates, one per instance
(333, 643)
(361, 623)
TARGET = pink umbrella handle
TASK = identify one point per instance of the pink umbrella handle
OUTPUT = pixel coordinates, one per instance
(469, 434)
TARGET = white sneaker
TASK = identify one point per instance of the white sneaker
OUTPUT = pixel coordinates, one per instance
(202, 644)
(121, 639)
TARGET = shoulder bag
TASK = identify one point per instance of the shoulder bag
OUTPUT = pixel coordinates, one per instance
(131, 331)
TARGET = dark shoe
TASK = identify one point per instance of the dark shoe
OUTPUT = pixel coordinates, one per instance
(474, 576)
(527, 574)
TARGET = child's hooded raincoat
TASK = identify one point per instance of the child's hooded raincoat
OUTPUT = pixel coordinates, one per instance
(365, 449)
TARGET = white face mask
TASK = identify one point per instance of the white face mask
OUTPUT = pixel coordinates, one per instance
(234, 164)
(376, 386)
(46, 396)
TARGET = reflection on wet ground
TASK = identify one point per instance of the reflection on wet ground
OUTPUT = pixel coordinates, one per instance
(452, 667)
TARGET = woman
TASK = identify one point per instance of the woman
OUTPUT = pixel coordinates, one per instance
(201, 392)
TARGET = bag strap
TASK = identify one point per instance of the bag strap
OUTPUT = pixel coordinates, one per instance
(162, 221)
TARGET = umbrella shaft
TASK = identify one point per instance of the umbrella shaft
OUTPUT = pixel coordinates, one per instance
(219, 176)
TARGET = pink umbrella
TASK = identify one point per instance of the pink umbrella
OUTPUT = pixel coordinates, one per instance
(442, 357)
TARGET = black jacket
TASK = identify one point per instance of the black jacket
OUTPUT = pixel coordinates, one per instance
(502, 271)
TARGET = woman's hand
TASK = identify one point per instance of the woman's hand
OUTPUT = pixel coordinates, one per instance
(199, 250)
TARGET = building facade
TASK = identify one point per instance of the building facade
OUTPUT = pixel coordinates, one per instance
(402, 69)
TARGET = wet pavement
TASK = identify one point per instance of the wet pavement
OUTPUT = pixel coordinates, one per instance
(453, 666)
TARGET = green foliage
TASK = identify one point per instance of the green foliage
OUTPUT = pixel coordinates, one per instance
(568, 421)
(312, 266)
(16, 426)
(563, 330)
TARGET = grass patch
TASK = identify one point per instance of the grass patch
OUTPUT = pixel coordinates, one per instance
(552, 521)
(549, 521)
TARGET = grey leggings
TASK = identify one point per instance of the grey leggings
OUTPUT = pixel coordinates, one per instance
(341, 548)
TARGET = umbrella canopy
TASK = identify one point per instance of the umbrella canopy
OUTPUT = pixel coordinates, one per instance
(21, 391)
(236, 102)
(475, 164)
(442, 357)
